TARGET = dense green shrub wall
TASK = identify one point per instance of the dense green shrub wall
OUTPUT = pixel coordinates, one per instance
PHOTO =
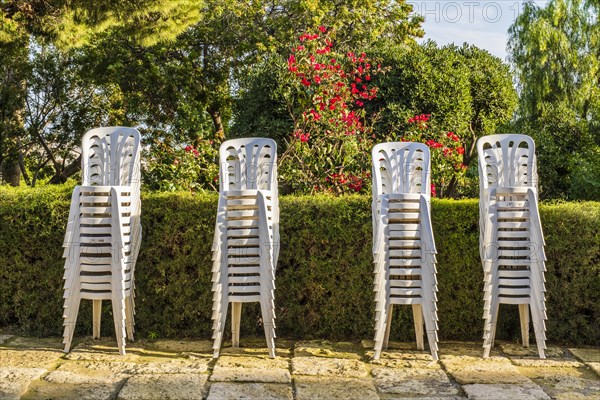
(324, 279)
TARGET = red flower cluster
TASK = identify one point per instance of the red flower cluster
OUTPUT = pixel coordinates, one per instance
(351, 181)
(352, 121)
(191, 149)
(453, 136)
(292, 67)
(308, 37)
(419, 118)
(433, 144)
(433, 193)
(302, 136)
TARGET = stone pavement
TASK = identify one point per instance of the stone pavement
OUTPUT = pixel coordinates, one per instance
(183, 369)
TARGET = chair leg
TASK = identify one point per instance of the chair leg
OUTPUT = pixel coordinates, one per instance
(524, 318)
(71, 320)
(490, 330)
(431, 328)
(129, 317)
(418, 319)
(380, 329)
(538, 328)
(388, 327)
(219, 329)
(268, 324)
(97, 318)
(236, 316)
(118, 305)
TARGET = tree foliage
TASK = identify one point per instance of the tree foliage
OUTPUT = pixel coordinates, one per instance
(555, 53)
(13, 74)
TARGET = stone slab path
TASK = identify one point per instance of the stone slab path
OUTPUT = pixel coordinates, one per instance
(33, 368)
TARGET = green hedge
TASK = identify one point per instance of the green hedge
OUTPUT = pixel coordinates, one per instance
(324, 277)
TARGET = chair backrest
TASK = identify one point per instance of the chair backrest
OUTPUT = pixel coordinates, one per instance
(507, 160)
(111, 157)
(401, 167)
(248, 164)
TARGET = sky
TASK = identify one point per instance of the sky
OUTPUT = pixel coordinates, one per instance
(482, 23)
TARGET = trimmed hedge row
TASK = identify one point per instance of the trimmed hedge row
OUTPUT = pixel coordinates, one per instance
(324, 277)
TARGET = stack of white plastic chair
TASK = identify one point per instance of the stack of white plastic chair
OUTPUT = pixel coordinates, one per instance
(511, 238)
(104, 233)
(245, 248)
(403, 245)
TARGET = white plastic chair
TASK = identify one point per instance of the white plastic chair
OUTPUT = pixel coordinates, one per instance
(104, 233)
(403, 245)
(511, 237)
(245, 247)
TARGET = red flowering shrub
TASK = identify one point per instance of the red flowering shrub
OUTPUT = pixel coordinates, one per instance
(330, 146)
(446, 153)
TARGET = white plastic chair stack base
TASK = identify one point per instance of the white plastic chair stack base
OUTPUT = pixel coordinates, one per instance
(102, 239)
(404, 249)
(512, 244)
(246, 238)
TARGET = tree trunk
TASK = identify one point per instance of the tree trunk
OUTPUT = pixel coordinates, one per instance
(218, 123)
(69, 170)
(11, 172)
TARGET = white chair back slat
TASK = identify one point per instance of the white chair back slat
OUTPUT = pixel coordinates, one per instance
(104, 232)
(247, 164)
(401, 167)
(511, 237)
(403, 245)
(507, 160)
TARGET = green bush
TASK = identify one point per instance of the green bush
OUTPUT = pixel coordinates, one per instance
(324, 277)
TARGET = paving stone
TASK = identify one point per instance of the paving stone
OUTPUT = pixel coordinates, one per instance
(561, 379)
(255, 351)
(574, 396)
(97, 368)
(586, 354)
(323, 348)
(164, 387)
(15, 380)
(81, 380)
(409, 381)
(514, 349)
(258, 347)
(29, 358)
(493, 370)
(505, 391)
(404, 363)
(249, 391)
(312, 387)
(89, 381)
(106, 350)
(180, 366)
(594, 367)
(384, 396)
(397, 350)
(251, 369)
(203, 347)
(565, 382)
(473, 349)
(547, 363)
(328, 367)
